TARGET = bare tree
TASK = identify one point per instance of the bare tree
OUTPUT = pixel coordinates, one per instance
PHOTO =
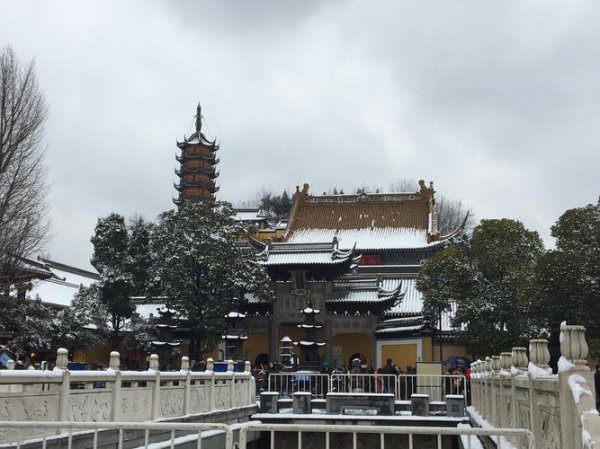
(23, 185)
(451, 212)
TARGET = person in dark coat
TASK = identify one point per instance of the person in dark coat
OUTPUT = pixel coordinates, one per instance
(389, 384)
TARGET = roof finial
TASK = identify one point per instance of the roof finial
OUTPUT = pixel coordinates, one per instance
(198, 118)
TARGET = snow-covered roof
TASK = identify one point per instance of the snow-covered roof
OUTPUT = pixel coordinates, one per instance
(391, 330)
(249, 215)
(146, 309)
(366, 238)
(412, 302)
(302, 259)
(314, 253)
(63, 285)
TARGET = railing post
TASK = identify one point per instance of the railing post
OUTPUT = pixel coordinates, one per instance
(488, 388)
(231, 372)
(494, 390)
(506, 389)
(520, 362)
(251, 382)
(574, 350)
(154, 364)
(62, 359)
(115, 365)
(185, 369)
(539, 356)
(210, 365)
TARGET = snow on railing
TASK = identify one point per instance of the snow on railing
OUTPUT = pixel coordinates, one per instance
(114, 395)
(513, 392)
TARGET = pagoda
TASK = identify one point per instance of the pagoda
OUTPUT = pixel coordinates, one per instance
(235, 337)
(309, 345)
(198, 161)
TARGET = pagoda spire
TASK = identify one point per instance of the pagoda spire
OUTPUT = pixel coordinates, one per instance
(198, 118)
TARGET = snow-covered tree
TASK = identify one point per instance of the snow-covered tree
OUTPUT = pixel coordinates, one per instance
(490, 280)
(138, 260)
(40, 328)
(110, 258)
(567, 279)
(203, 270)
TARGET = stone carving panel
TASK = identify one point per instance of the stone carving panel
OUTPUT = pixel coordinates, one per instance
(199, 398)
(90, 405)
(136, 404)
(27, 407)
(171, 401)
(550, 429)
(222, 395)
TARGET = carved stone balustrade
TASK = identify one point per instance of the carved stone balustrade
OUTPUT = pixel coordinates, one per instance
(558, 409)
(115, 395)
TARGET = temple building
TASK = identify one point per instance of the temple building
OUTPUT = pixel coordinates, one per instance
(197, 172)
(356, 258)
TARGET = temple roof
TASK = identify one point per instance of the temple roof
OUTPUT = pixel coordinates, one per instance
(352, 289)
(368, 221)
(304, 254)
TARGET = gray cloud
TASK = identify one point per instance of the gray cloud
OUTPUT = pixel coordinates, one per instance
(495, 102)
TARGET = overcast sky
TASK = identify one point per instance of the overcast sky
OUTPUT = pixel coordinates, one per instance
(497, 102)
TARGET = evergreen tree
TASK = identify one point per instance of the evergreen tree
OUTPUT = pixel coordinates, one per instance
(202, 269)
(110, 258)
(567, 279)
(490, 281)
(138, 252)
(39, 328)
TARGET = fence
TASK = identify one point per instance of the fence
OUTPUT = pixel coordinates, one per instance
(286, 384)
(295, 435)
(114, 395)
(560, 410)
(191, 431)
(403, 385)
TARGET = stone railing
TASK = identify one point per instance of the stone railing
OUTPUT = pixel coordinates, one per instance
(115, 395)
(560, 409)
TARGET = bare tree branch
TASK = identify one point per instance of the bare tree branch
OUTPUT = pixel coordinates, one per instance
(23, 184)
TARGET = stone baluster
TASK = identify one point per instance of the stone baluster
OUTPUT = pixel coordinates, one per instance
(185, 363)
(185, 369)
(573, 346)
(115, 361)
(506, 360)
(154, 366)
(496, 390)
(210, 369)
(210, 365)
(231, 380)
(251, 382)
(519, 359)
(154, 362)
(538, 352)
(496, 363)
(115, 365)
(487, 372)
(62, 359)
